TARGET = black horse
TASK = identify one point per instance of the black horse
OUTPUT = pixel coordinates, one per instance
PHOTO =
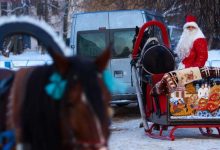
(153, 58)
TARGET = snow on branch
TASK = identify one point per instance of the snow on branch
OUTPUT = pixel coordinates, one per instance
(174, 9)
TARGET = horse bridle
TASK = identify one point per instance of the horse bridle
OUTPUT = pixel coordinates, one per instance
(134, 40)
(102, 143)
(93, 144)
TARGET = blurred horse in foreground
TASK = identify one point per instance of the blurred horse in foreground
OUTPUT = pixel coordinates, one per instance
(63, 106)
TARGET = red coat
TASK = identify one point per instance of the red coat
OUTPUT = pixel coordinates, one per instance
(198, 54)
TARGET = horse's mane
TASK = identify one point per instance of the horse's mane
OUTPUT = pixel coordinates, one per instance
(41, 115)
(88, 73)
(6, 78)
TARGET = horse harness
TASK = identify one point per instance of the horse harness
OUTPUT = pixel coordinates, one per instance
(5, 84)
(73, 76)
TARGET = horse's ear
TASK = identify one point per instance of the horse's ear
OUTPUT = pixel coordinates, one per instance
(102, 60)
(150, 31)
(61, 62)
(137, 30)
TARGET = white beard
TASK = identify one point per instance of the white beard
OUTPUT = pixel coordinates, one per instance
(186, 42)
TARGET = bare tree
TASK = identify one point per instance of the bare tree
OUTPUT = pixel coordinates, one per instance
(16, 7)
(207, 11)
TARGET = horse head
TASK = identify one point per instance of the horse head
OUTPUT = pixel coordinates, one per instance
(86, 117)
(155, 57)
(59, 106)
(147, 34)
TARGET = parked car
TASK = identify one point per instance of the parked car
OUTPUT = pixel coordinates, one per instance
(91, 32)
(213, 58)
(175, 33)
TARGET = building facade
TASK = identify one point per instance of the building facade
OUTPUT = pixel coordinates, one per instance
(52, 11)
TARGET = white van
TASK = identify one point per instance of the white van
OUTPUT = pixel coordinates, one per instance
(92, 32)
(174, 33)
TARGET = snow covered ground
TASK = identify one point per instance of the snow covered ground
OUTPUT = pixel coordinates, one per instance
(213, 58)
(27, 58)
(126, 135)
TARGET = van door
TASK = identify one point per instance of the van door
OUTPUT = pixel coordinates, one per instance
(122, 30)
(92, 43)
(91, 33)
(120, 62)
(87, 22)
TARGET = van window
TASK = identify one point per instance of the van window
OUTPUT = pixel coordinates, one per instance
(177, 32)
(91, 43)
(122, 42)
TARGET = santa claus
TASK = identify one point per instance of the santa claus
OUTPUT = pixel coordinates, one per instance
(192, 48)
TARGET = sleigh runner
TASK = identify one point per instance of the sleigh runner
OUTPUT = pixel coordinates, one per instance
(172, 99)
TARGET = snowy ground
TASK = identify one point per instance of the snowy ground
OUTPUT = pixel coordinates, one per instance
(28, 55)
(27, 58)
(126, 135)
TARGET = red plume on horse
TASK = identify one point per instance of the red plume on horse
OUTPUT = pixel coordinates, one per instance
(62, 106)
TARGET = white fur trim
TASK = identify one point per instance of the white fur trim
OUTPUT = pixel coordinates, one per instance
(19, 146)
(149, 40)
(103, 148)
(194, 24)
(181, 66)
(152, 39)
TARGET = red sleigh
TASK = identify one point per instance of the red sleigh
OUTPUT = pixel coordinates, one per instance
(169, 107)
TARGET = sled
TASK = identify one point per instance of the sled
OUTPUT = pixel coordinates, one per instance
(174, 99)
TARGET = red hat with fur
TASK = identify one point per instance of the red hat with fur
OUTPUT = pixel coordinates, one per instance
(190, 21)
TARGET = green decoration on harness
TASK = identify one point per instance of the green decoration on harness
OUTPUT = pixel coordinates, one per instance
(56, 87)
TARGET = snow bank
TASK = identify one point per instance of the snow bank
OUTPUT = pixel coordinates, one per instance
(213, 58)
(126, 135)
(214, 54)
(27, 58)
